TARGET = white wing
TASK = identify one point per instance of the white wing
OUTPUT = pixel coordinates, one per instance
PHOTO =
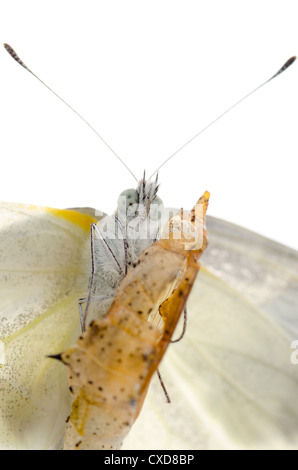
(44, 270)
(231, 380)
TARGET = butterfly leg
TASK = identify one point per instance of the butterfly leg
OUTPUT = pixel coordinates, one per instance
(173, 341)
(82, 318)
(83, 315)
(184, 327)
(125, 244)
(163, 386)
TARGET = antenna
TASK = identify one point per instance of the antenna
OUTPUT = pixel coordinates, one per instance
(281, 70)
(19, 61)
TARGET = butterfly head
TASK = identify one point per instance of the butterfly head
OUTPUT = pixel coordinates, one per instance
(141, 202)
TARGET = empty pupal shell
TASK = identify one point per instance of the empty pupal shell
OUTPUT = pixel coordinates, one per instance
(111, 365)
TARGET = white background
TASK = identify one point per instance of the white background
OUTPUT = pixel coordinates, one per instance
(148, 75)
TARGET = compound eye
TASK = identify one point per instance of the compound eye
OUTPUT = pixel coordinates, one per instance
(156, 209)
(128, 201)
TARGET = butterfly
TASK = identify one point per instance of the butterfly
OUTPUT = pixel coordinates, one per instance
(230, 379)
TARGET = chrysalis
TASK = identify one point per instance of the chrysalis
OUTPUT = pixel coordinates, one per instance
(111, 365)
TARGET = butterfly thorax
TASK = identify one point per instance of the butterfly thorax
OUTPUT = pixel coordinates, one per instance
(118, 241)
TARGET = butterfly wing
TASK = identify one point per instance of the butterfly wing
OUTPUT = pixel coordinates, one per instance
(231, 380)
(44, 269)
(263, 271)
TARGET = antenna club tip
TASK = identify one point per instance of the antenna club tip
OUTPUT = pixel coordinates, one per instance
(292, 59)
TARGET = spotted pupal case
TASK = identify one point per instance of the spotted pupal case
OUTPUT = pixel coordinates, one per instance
(111, 365)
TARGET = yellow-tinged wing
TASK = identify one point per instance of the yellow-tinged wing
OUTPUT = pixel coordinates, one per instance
(44, 270)
(231, 379)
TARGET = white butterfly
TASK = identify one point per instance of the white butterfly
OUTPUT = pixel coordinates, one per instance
(231, 380)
